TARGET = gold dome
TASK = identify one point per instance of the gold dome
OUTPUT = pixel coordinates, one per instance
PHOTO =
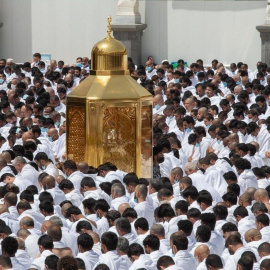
(109, 54)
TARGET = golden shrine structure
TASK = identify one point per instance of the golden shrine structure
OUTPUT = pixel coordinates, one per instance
(109, 115)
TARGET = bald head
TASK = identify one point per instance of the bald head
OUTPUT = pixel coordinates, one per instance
(253, 235)
(26, 223)
(233, 138)
(48, 182)
(26, 136)
(55, 232)
(201, 252)
(251, 192)
(83, 167)
(46, 225)
(261, 195)
(6, 155)
(23, 233)
(122, 207)
(11, 199)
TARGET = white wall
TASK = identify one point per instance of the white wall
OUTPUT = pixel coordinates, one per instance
(176, 29)
(15, 35)
(69, 28)
(225, 30)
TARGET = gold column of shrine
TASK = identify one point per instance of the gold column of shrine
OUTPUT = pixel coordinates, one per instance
(109, 115)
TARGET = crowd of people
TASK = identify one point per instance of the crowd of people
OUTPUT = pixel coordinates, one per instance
(206, 208)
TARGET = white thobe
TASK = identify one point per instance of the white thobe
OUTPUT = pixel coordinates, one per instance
(31, 245)
(216, 180)
(198, 180)
(76, 178)
(265, 231)
(112, 260)
(29, 172)
(39, 263)
(232, 261)
(247, 179)
(117, 201)
(23, 258)
(146, 210)
(102, 225)
(90, 258)
(144, 261)
(185, 260)
(155, 255)
(245, 224)
(52, 170)
(75, 197)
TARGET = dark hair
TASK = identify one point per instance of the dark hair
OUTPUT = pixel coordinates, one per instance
(180, 241)
(135, 249)
(186, 226)
(152, 241)
(214, 261)
(85, 241)
(45, 241)
(203, 233)
(110, 240)
(165, 261)
(51, 261)
(263, 218)
(209, 219)
(83, 224)
(240, 211)
(220, 211)
(141, 223)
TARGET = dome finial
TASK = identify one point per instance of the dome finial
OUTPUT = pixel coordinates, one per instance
(109, 31)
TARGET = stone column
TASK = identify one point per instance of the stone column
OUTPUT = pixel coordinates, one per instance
(128, 28)
(265, 36)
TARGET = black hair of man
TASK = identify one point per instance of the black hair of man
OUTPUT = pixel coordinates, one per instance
(102, 205)
(230, 197)
(9, 246)
(165, 210)
(88, 182)
(203, 233)
(51, 262)
(45, 241)
(141, 223)
(180, 241)
(165, 262)
(109, 239)
(208, 219)
(85, 241)
(214, 261)
(221, 212)
(194, 213)
(73, 210)
(186, 226)
(130, 212)
(135, 250)
(205, 197)
(263, 219)
(240, 211)
(152, 242)
(83, 225)
(191, 192)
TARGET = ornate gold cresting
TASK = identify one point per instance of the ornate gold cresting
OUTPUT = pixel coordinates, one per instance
(109, 31)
